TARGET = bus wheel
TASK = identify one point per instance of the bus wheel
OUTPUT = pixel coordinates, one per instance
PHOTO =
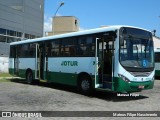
(29, 77)
(85, 85)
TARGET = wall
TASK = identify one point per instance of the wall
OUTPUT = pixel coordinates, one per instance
(4, 56)
(4, 64)
(64, 24)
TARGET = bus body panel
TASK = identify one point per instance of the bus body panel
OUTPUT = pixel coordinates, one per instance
(71, 65)
(23, 65)
(65, 69)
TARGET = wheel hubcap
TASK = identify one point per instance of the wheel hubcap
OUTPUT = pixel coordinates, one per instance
(85, 85)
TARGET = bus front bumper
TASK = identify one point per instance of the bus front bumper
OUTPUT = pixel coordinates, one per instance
(122, 86)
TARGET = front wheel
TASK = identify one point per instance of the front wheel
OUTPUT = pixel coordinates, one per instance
(85, 85)
(29, 77)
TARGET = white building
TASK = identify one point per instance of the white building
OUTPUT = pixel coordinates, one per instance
(156, 41)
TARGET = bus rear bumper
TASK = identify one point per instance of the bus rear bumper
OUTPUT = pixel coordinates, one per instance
(122, 86)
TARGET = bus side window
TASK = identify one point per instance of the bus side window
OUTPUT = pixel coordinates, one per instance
(12, 52)
(54, 48)
(23, 51)
(72, 51)
(86, 46)
(48, 49)
(68, 47)
(32, 50)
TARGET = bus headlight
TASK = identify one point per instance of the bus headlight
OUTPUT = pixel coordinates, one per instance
(124, 78)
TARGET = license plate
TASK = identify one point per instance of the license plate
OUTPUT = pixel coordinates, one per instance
(141, 87)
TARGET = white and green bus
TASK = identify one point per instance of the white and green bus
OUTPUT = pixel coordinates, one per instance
(157, 62)
(115, 58)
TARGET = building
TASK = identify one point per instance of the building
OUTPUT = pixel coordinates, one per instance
(156, 41)
(21, 19)
(64, 24)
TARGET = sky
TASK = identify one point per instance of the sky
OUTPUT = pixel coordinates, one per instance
(95, 13)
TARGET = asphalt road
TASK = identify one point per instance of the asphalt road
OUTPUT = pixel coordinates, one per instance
(19, 96)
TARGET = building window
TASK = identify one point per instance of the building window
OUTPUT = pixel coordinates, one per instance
(12, 36)
(76, 22)
(10, 39)
(27, 36)
(19, 34)
(11, 33)
(2, 38)
(2, 31)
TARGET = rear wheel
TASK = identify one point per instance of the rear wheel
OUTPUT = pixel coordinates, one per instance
(29, 77)
(85, 85)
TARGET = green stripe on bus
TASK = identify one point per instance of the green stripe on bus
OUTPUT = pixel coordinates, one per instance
(11, 71)
(62, 78)
(21, 72)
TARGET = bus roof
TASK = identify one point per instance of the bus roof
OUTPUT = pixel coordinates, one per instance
(71, 34)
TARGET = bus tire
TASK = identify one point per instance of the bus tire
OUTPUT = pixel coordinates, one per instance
(29, 77)
(85, 85)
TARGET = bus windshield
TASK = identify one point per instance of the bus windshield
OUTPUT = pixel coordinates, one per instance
(136, 50)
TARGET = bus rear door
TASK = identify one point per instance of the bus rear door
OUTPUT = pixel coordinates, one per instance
(40, 62)
(16, 61)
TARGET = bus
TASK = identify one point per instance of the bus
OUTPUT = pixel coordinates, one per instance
(157, 62)
(116, 58)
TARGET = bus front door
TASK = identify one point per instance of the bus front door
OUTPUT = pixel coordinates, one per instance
(99, 63)
(104, 60)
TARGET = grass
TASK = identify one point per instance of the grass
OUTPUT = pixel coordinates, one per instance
(5, 75)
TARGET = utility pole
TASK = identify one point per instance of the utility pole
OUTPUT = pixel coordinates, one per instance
(61, 4)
